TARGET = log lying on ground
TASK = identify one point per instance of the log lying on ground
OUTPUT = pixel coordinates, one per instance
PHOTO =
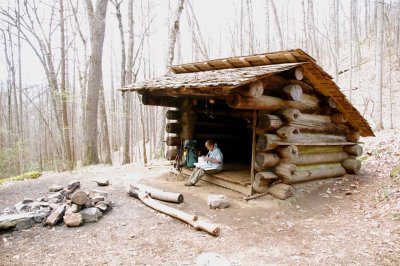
(352, 166)
(262, 180)
(268, 103)
(266, 160)
(290, 151)
(158, 193)
(317, 158)
(315, 172)
(178, 214)
(355, 150)
(254, 89)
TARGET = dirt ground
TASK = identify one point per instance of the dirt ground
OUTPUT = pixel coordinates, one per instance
(352, 220)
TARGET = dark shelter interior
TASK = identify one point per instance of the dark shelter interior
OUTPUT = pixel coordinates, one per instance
(215, 120)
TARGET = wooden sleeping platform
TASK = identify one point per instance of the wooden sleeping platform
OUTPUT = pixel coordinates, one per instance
(234, 176)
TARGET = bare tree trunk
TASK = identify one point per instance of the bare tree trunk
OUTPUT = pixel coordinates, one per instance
(277, 25)
(97, 28)
(21, 129)
(379, 65)
(64, 98)
(267, 39)
(173, 32)
(104, 125)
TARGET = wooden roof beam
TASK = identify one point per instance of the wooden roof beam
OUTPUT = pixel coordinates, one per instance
(291, 58)
(265, 59)
(227, 63)
(208, 66)
(245, 62)
(183, 69)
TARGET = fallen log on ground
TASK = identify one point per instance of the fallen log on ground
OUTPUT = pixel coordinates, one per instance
(178, 214)
(158, 193)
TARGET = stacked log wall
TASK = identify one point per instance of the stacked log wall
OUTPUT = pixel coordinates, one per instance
(301, 135)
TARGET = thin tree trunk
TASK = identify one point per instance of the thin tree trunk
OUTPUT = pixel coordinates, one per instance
(277, 25)
(104, 125)
(379, 65)
(64, 98)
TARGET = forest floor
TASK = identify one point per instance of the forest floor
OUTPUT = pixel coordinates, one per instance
(349, 220)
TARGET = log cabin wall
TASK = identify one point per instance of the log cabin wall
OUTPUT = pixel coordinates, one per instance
(301, 135)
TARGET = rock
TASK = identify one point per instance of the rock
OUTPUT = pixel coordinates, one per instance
(89, 203)
(102, 206)
(73, 219)
(43, 204)
(27, 200)
(55, 188)
(42, 199)
(102, 182)
(211, 259)
(91, 215)
(217, 201)
(79, 197)
(21, 207)
(74, 184)
(42, 215)
(56, 216)
(7, 210)
(55, 200)
(97, 199)
(74, 208)
(21, 221)
(58, 195)
(97, 193)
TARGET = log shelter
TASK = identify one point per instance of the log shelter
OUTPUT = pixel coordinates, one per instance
(277, 117)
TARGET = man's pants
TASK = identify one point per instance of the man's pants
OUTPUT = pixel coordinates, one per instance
(199, 172)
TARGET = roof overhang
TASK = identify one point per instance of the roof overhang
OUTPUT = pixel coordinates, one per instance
(207, 83)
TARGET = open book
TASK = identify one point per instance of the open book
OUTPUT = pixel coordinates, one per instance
(204, 166)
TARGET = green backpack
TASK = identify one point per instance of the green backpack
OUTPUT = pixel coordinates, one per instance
(191, 153)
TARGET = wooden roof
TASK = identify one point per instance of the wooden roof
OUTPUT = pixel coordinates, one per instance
(189, 76)
(212, 83)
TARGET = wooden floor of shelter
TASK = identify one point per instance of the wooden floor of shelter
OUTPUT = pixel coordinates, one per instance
(234, 176)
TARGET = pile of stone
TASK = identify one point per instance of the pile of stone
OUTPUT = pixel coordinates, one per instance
(69, 204)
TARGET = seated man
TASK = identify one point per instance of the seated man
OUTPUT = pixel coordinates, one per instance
(213, 163)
